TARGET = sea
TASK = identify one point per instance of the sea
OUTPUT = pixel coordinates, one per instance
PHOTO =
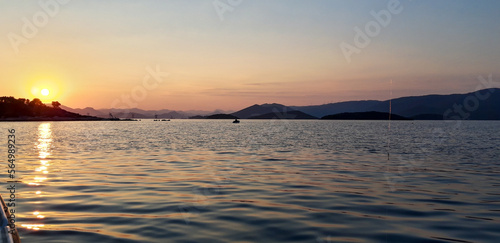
(256, 181)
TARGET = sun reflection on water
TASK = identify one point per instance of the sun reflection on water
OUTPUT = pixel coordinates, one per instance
(43, 145)
(33, 226)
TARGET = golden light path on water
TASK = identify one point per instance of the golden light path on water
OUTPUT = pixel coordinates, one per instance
(43, 146)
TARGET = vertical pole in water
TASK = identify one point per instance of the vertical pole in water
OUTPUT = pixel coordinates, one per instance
(389, 124)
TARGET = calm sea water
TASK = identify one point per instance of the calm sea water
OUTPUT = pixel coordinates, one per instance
(257, 181)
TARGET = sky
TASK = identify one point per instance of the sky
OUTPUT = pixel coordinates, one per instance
(229, 54)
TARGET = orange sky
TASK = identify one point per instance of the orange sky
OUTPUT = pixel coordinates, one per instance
(104, 53)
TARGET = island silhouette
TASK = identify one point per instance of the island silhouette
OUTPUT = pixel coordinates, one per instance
(370, 115)
(12, 109)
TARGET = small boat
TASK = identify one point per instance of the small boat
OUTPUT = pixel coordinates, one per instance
(236, 121)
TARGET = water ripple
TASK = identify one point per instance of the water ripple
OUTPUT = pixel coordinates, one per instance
(261, 181)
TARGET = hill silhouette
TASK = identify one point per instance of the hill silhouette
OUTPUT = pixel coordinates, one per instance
(335, 108)
(422, 107)
(449, 106)
(215, 116)
(284, 115)
(12, 109)
(257, 110)
(221, 116)
(370, 115)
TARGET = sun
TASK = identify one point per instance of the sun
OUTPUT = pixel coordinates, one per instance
(45, 92)
(45, 89)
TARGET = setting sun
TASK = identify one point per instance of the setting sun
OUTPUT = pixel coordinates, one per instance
(45, 92)
(47, 88)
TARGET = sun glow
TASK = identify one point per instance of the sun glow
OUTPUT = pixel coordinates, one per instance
(47, 89)
(45, 92)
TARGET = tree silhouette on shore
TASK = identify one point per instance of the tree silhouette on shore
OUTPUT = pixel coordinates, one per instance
(11, 107)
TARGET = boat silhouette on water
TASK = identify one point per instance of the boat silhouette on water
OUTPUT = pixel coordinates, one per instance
(236, 121)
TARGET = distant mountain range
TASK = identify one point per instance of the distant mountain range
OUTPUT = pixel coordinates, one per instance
(369, 115)
(336, 108)
(432, 107)
(427, 107)
(139, 113)
(290, 114)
